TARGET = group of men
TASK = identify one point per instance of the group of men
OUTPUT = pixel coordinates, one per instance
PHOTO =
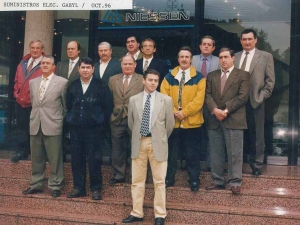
(206, 99)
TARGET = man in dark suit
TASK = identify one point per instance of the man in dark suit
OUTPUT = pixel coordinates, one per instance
(28, 69)
(205, 63)
(69, 68)
(227, 92)
(260, 65)
(133, 47)
(122, 87)
(89, 105)
(151, 120)
(150, 62)
(106, 67)
(47, 94)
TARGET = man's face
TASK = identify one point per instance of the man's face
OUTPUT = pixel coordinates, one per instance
(47, 66)
(226, 60)
(36, 50)
(150, 83)
(128, 65)
(72, 50)
(86, 71)
(184, 59)
(207, 47)
(148, 48)
(132, 45)
(248, 41)
(104, 53)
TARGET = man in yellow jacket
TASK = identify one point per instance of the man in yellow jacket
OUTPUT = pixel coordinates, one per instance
(186, 87)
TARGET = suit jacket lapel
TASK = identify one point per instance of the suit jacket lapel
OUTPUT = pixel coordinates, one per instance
(50, 87)
(120, 82)
(255, 60)
(132, 82)
(74, 72)
(106, 72)
(36, 86)
(232, 76)
(139, 105)
(157, 108)
(217, 81)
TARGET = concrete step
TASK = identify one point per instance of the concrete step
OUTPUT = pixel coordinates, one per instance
(114, 210)
(264, 182)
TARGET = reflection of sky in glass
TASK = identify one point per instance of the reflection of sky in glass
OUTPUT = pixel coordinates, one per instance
(161, 5)
(271, 16)
(248, 10)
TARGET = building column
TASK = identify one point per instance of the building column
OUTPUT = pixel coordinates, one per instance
(39, 26)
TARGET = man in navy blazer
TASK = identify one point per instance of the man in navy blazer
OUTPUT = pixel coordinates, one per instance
(212, 63)
(106, 67)
(150, 62)
(89, 105)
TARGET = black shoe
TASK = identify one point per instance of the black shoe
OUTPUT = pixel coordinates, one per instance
(132, 219)
(194, 186)
(115, 181)
(256, 172)
(159, 221)
(208, 169)
(76, 194)
(169, 183)
(55, 193)
(18, 157)
(31, 191)
(96, 195)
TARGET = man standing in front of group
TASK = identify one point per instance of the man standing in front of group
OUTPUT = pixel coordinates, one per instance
(122, 87)
(186, 87)
(151, 120)
(89, 105)
(47, 94)
(205, 63)
(106, 67)
(260, 65)
(227, 92)
(28, 69)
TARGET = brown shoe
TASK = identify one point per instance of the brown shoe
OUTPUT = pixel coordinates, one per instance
(235, 189)
(215, 187)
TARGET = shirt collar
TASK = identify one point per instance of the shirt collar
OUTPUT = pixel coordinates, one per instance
(104, 62)
(250, 52)
(74, 60)
(152, 93)
(88, 82)
(229, 70)
(208, 57)
(129, 76)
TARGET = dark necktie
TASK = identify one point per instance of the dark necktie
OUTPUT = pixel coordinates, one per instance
(146, 117)
(70, 68)
(203, 68)
(244, 62)
(223, 80)
(181, 84)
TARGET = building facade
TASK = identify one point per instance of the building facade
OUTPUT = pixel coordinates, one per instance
(172, 24)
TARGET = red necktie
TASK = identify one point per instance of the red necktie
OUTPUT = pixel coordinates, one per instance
(203, 68)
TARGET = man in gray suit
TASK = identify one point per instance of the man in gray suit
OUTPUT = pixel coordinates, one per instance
(69, 68)
(47, 94)
(151, 120)
(205, 63)
(260, 65)
(227, 92)
(106, 67)
(122, 87)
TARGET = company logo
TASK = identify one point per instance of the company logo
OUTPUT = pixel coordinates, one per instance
(158, 16)
(112, 16)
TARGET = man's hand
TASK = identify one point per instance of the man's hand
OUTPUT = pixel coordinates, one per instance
(220, 114)
(179, 115)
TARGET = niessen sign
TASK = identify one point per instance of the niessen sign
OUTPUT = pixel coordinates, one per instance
(26, 5)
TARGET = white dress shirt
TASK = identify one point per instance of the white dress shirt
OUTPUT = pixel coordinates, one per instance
(249, 59)
(85, 85)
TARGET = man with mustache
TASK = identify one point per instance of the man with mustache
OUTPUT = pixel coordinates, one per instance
(186, 87)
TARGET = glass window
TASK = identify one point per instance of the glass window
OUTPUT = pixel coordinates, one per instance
(226, 19)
